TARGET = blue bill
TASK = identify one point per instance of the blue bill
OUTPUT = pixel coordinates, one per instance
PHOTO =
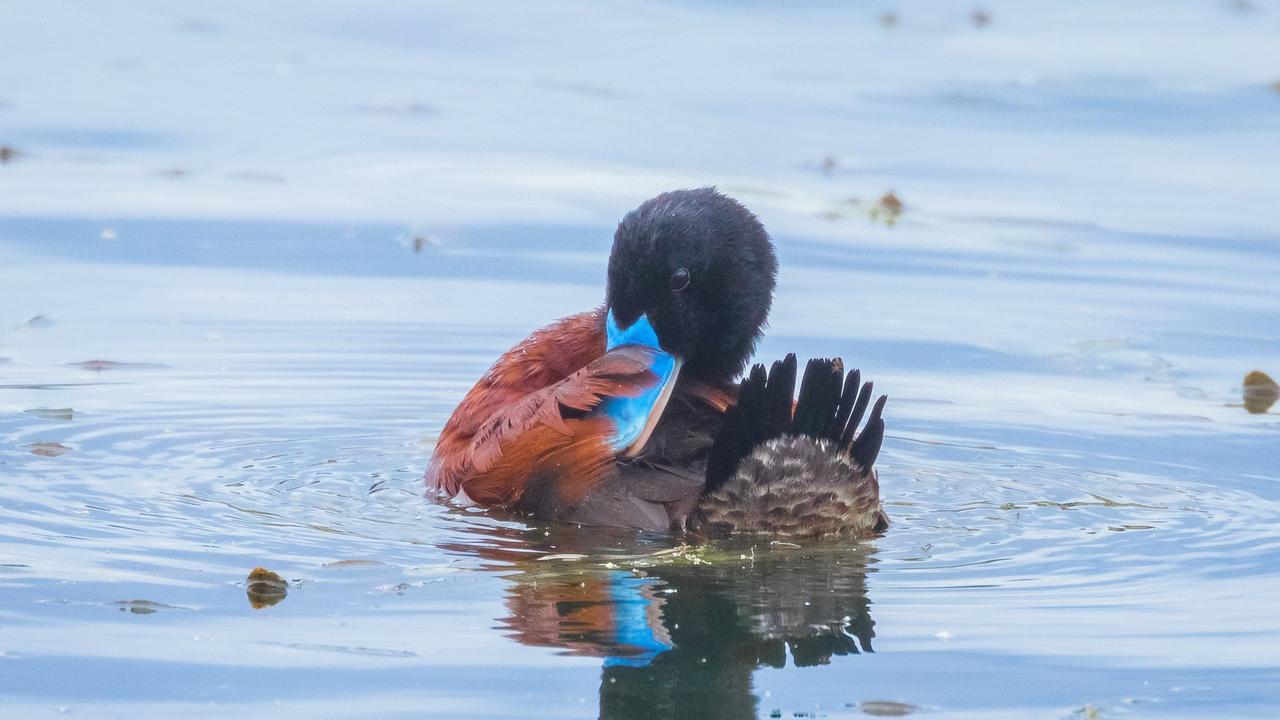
(634, 417)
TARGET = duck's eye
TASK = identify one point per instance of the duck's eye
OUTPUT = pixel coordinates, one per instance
(679, 280)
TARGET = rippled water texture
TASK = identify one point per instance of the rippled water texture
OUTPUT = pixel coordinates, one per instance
(250, 259)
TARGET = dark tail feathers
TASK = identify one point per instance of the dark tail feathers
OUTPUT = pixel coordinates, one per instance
(828, 409)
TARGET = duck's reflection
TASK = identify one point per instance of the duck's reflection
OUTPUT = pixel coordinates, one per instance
(681, 630)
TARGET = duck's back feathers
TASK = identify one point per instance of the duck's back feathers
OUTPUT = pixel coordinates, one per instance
(799, 469)
(544, 453)
(795, 486)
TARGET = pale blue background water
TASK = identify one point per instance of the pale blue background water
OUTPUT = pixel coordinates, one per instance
(1085, 519)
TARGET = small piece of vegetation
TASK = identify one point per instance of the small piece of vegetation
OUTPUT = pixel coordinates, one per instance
(888, 208)
(1260, 392)
(265, 588)
(48, 449)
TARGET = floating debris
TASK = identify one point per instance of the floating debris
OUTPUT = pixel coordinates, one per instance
(143, 607)
(1260, 392)
(50, 413)
(1275, 86)
(828, 165)
(889, 208)
(176, 173)
(8, 154)
(48, 449)
(886, 708)
(419, 240)
(339, 564)
(1088, 712)
(37, 321)
(980, 18)
(889, 19)
(265, 588)
(101, 365)
(108, 234)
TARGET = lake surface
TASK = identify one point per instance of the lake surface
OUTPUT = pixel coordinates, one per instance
(250, 259)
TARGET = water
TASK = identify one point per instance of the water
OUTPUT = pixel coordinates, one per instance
(298, 234)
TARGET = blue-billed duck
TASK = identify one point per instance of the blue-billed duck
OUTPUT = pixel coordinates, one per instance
(609, 417)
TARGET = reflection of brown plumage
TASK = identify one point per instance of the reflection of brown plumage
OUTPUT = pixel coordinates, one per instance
(706, 624)
(578, 617)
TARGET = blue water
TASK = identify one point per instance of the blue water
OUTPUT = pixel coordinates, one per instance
(300, 233)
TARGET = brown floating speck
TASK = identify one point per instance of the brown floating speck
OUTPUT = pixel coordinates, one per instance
(886, 708)
(889, 207)
(50, 413)
(101, 365)
(357, 562)
(265, 588)
(143, 607)
(48, 449)
(1260, 392)
(38, 321)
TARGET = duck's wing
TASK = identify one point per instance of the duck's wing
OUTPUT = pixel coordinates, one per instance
(546, 357)
(830, 407)
(547, 450)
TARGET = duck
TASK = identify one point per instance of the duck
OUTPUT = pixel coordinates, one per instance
(631, 414)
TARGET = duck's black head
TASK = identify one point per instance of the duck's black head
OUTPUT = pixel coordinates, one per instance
(700, 268)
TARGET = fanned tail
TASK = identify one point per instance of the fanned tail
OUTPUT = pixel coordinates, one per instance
(830, 408)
